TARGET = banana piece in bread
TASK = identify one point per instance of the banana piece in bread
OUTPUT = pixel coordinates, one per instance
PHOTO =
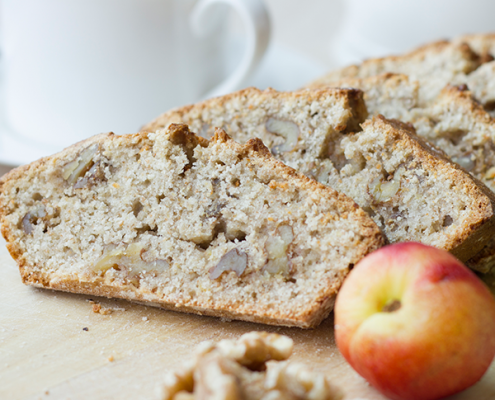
(180, 222)
(411, 190)
(455, 123)
(253, 367)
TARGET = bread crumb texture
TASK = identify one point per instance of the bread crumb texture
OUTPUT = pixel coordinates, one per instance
(253, 367)
(172, 219)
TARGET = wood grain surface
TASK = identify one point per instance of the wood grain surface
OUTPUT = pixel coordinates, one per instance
(53, 346)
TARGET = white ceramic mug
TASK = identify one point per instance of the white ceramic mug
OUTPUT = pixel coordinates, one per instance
(75, 68)
(383, 27)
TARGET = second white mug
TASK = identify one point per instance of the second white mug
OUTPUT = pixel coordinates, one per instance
(384, 27)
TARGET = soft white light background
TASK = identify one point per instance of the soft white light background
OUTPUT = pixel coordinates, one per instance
(310, 37)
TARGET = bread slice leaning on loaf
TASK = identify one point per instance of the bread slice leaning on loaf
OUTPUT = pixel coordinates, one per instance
(455, 123)
(412, 191)
(183, 223)
(433, 66)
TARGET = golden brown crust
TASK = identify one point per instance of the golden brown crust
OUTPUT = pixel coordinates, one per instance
(307, 318)
(433, 66)
(180, 134)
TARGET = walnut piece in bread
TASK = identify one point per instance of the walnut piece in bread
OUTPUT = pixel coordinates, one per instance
(181, 222)
(250, 368)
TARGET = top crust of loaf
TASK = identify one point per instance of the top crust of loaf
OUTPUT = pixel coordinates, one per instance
(172, 175)
(434, 66)
(458, 56)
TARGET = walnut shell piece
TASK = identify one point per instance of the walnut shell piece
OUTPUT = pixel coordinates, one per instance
(250, 368)
(94, 175)
(31, 217)
(490, 174)
(384, 191)
(40, 214)
(465, 162)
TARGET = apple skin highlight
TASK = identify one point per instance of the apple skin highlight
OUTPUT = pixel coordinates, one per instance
(436, 340)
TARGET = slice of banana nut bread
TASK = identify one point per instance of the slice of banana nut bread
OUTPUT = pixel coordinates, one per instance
(411, 190)
(253, 367)
(177, 221)
(433, 65)
(455, 122)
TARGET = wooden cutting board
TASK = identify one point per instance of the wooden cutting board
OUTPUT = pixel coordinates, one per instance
(53, 346)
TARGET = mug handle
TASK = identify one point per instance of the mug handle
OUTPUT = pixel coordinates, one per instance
(255, 18)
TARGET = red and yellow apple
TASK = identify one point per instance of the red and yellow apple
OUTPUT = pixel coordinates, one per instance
(415, 322)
